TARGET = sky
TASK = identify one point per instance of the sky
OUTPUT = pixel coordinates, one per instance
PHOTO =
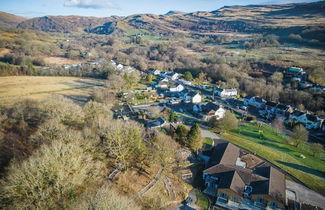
(105, 8)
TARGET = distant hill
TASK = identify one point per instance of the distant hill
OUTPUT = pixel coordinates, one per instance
(305, 19)
(8, 20)
(174, 12)
(64, 23)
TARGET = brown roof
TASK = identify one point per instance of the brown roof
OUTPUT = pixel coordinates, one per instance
(274, 186)
(229, 177)
(224, 153)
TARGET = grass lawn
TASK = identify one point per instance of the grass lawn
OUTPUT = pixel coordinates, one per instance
(273, 147)
(208, 141)
(40, 87)
(202, 201)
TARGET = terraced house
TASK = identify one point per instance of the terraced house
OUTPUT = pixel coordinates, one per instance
(233, 186)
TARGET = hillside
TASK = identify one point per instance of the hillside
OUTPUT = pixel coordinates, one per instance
(64, 23)
(305, 19)
(8, 20)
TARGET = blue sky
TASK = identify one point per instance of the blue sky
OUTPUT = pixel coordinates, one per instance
(104, 8)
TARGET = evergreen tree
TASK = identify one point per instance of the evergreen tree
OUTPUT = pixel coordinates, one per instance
(181, 135)
(188, 76)
(172, 117)
(149, 78)
(195, 140)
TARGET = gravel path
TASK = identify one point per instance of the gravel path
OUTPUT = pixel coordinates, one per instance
(151, 184)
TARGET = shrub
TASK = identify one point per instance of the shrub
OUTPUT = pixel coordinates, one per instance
(50, 178)
(105, 198)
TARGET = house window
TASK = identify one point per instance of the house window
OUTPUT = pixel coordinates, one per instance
(273, 205)
(235, 199)
(223, 195)
(260, 202)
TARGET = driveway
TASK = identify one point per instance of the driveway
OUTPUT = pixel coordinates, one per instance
(305, 195)
(208, 134)
(190, 206)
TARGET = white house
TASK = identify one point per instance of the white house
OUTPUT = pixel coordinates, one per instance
(255, 101)
(177, 88)
(162, 85)
(226, 92)
(194, 97)
(174, 76)
(154, 72)
(113, 62)
(185, 82)
(210, 110)
(119, 66)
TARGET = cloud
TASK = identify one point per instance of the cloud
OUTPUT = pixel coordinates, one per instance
(90, 4)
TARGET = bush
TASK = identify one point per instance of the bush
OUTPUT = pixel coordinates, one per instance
(50, 178)
(228, 122)
(105, 198)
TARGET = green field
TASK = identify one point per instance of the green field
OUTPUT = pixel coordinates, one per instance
(274, 148)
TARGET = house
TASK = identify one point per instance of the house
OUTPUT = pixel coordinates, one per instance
(185, 82)
(174, 76)
(209, 110)
(297, 116)
(295, 71)
(193, 97)
(309, 120)
(226, 92)
(282, 111)
(177, 88)
(162, 85)
(255, 101)
(269, 110)
(113, 63)
(120, 66)
(235, 187)
(268, 189)
(154, 72)
(312, 122)
(157, 123)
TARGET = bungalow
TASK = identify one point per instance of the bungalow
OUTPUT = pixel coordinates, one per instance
(157, 123)
(226, 92)
(255, 101)
(177, 88)
(194, 97)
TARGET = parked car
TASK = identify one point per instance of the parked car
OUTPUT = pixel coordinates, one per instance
(243, 108)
